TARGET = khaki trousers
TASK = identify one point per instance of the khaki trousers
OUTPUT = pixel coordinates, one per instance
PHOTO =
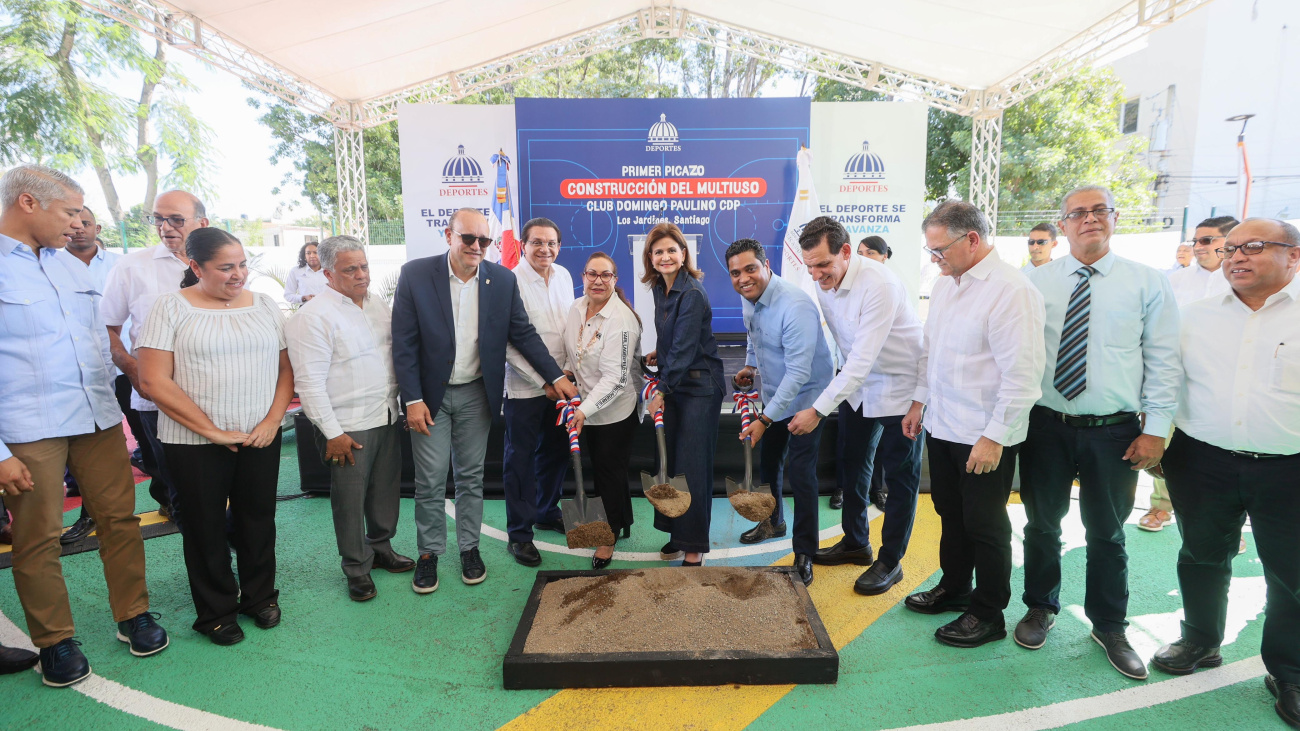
(102, 468)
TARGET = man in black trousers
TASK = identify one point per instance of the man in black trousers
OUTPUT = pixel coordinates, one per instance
(1236, 453)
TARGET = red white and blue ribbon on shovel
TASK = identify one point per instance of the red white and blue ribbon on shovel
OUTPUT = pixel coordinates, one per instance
(648, 392)
(745, 401)
(567, 411)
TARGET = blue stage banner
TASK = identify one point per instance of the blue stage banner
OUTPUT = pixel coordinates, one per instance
(608, 170)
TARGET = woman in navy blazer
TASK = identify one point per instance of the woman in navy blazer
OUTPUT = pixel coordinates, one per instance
(690, 385)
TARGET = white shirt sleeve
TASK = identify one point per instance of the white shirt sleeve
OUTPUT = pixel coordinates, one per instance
(311, 350)
(616, 351)
(1016, 339)
(292, 287)
(874, 322)
(522, 368)
(115, 306)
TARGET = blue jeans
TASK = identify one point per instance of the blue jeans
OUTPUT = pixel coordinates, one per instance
(458, 439)
(795, 456)
(880, 441)
(149, 420)
(535, 463)
(691, 432)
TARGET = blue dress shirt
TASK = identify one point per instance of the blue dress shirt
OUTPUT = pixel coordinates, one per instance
(1133, 361)
(786, 343)
(53, 349)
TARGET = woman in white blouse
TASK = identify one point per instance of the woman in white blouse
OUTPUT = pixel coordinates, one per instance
(602, 341)
(307, 279)
(212, 356)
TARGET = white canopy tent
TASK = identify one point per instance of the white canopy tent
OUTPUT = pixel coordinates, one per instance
(354, 62)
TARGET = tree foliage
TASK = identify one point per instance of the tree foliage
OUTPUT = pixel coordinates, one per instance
(57, 110)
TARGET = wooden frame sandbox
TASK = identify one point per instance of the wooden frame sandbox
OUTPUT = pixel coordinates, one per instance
(818, 663)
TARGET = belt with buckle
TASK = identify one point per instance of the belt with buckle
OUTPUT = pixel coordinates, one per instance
(1257, 455)
(1090, 422)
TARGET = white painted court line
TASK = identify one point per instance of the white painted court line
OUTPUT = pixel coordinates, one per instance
(1065, 713)
(132, 701)
(782, 546)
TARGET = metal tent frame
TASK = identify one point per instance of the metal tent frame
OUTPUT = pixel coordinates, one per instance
(188, 33)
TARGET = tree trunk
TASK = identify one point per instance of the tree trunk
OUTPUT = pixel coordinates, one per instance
(72, 87)
(145, 152)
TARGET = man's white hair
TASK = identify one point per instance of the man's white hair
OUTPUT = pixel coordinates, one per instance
(329, 249)
(44, 184)
(1086, 189)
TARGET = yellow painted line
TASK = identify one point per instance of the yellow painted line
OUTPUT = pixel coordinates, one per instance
(844, 613)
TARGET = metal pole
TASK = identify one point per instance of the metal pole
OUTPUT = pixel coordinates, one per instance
(126, 245)
(985, 166)
(1186, 211)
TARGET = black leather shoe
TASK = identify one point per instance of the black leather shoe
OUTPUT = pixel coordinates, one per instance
(525, 553)
(970, 631)
(841, 553)
(878, 498)
(1031, 631)
(226, 634)
(600, 563)
(555, 525)
(670, 552)
(267, 617)
(425, 580)
(393, 562)
(1121, 654)
(803, 564)
(472, 570)
(937, 601)
(878, 579)
(1184, 657)
(15, 659)
(361, 588)
(762, 532)
(63, 664)
(143, 634)
(1288, 700)
(837, 500)
(84, 526)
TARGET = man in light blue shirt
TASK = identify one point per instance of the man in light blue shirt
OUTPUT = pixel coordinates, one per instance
(1109, 393)
(787, 347)
(60, 413)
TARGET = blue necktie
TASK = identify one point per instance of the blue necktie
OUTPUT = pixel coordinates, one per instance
(1072, 357)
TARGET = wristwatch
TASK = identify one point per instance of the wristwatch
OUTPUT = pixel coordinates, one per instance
(767, 420)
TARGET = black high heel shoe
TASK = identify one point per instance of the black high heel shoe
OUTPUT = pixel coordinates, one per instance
(600, 563)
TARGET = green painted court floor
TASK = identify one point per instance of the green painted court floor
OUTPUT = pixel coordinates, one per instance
(403, 661)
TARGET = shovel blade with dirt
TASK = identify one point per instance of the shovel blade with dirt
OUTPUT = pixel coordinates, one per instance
(671, 497)
(753, 502)
(585, 523)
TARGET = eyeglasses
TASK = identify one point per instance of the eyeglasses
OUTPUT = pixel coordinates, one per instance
(174, 221)
(1249, 249)
(1082, 216)
(469, 239)
(1205, 240)
(938, 253)
(1039, 242)
(603, 277)
(540, 243)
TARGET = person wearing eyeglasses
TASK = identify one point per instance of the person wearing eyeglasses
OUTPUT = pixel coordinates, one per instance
(139, 279)
(1042, 240)
(453, 315)
(1235, 454)
(602, 349)
(1202, 279)
(979, 374)
(690, 386)
(536, 447)
(1109, 392)
(306, 280)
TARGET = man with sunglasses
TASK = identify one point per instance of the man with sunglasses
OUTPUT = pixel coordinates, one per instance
(1202, 278)
(138, 280)
(453, 316)
(1042, 239)
(1109, 392)
(537, 447)
(1235, 454)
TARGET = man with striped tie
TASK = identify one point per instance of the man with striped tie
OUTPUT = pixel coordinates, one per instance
(1109, 393)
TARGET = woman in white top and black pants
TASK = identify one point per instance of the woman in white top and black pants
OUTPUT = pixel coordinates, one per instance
(212, 357)
(306, 280)
(602, 341)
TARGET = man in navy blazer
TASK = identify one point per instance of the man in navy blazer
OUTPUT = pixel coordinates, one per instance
(452, 317)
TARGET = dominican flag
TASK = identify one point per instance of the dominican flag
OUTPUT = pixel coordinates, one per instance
(502, 224)
(804, 210)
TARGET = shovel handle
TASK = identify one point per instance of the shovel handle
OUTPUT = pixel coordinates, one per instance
(749, 463)
(663, 446)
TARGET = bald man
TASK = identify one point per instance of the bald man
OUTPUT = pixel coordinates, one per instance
(132, 288)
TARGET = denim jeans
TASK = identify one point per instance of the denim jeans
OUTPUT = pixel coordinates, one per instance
(784, 454)
(691, 432)
(535, 463)
(879, 441)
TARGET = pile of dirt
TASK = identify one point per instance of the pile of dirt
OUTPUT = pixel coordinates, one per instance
(590, 535)
(755, 506)
(678, 609)
(668, 500)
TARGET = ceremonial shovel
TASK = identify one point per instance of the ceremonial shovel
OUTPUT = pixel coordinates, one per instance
(670, 497)
(585, 522)
(753, 503)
